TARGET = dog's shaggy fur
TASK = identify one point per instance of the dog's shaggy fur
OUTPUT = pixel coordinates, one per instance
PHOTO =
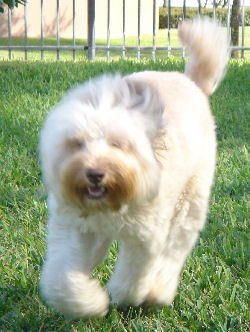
(130, 158)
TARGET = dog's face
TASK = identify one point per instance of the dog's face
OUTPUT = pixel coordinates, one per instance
(97, 147)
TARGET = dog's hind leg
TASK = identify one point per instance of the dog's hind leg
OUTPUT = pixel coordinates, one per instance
(185, 227)
(151, 278)
(65, 281)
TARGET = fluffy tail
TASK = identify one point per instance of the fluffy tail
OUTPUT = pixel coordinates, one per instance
(208, 52)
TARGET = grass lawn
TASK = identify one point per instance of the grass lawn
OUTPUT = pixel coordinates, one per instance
(212, 295)
(146, 40)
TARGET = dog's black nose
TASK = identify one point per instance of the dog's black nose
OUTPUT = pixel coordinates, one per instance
(95, 176)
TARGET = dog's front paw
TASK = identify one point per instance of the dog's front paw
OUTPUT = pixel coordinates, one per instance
(122, 295)
(161, 293)
(75, 296)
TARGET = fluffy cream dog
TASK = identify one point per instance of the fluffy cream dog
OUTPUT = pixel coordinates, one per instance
(130, 158)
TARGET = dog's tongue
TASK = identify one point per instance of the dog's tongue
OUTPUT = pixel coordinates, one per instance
(96, 192)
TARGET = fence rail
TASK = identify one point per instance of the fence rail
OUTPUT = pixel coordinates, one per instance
(91, 46)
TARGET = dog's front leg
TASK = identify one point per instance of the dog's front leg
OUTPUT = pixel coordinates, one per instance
(65, 280)
(132, 278)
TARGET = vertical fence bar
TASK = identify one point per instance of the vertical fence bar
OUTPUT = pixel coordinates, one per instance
(214, 10)
(139, 31)
(169, 25)
(123, 28)
(199, 8)
(228, 23)
(183, 18)
(74, 28)
(242, 28)
(57, 30)
(9, 32)
(154, 28)
(184, 10)
(26, 32)
(108, 32)
(91, 29)
(42, 41)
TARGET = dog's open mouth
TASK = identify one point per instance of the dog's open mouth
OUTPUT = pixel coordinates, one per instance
(96, 192)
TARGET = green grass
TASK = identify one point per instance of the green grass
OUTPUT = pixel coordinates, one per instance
(146, 40)
(212, 295)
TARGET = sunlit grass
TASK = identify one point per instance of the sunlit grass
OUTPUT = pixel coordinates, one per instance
(212, 295)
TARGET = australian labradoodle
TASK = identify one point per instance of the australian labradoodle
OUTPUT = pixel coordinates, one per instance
(130, 158)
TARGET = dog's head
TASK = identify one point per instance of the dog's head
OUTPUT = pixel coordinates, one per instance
(98, 145)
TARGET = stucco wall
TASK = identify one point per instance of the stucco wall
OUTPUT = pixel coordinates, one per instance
(66, 19)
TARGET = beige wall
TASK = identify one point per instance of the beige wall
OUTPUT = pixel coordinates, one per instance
(66, 19)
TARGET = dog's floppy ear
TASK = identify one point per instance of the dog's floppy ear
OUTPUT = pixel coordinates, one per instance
(142, 97)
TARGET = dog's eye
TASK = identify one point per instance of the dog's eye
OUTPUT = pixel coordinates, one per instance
(120, 144)
(116, 144)
(75, 143)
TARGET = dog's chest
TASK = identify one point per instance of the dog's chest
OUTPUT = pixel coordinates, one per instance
(142, 226)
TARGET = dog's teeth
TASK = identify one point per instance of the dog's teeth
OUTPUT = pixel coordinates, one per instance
(96, 192)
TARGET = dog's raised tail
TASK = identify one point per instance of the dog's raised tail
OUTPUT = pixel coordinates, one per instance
(208, 50)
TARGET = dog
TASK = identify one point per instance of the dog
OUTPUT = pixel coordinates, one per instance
(130, 158)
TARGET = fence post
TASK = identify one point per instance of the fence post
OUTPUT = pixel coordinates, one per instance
(91, 29)
(169, 27)
(9, 32)
(242, 29)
